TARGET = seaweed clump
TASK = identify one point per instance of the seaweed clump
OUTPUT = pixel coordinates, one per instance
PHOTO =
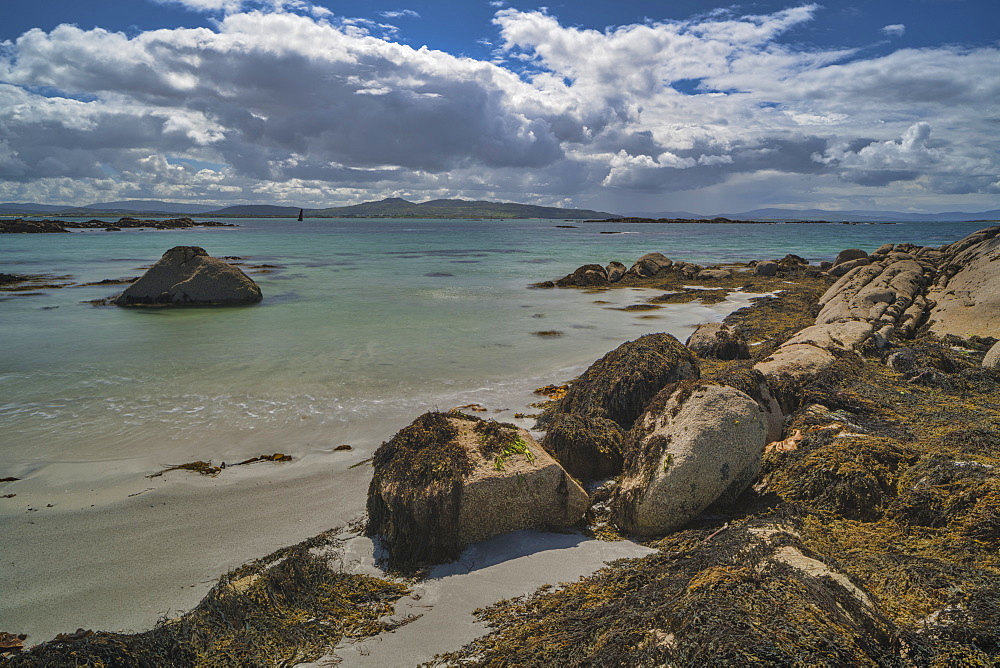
(746, 595)
(414, 495)
(586, 428)
(289, 607)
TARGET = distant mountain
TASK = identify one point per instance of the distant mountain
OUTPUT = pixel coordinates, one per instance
(855, 215)
(396, 207)
(152, 206)
(27, 207)
(256, 210)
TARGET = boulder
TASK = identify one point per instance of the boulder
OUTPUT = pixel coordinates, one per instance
(615, 271)
(992, 358)
(589, 275)
(797, 362)
(650, 264)
(714, 274)
(825, 265)
(188, 276)
(967, 290)
(703, 445)
(849, 254)
(585, 427)
(718, 340)
(766, 268)
(844, 267)
(884, 249)
(448, 480)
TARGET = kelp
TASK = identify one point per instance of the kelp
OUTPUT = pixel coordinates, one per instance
(292, 606)
(585, 429)
(413, 498)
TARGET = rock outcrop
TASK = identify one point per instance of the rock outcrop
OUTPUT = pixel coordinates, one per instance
(966, 294)
(765, 268)
(188, 276)
(448, 480)
(718, 340)
(704, 443)
(585, 429)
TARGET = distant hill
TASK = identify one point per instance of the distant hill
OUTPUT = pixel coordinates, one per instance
(152, 206)
(255, 210)
(396, 207)
(854, 215)
(27, 207)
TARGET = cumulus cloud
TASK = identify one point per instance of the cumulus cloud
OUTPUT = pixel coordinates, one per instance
(298, 105)
(894, 30)
(206, 5)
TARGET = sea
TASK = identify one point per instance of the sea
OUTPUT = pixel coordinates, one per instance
(365, 324)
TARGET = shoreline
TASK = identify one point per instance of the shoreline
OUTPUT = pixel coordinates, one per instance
(766, 318)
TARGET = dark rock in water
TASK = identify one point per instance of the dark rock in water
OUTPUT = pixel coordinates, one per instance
(18, 226)
(187, 275)
(650, 264)
(589, 275)
(449, 479)
(615, 271)
(718, 340)
(613, 392)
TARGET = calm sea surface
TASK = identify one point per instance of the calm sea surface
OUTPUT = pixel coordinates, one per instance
(364, 325)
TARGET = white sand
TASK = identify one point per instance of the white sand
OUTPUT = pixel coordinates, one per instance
(124, 565)
(501, 567)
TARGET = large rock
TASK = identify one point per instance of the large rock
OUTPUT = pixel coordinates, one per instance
(650, 264)
(849, 254)
(584, 429)
(188, 276)
(966, 293)
(703, 445)
(448, 480)
(718, 340)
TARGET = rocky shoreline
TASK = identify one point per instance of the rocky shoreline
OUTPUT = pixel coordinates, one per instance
(819, 474)
(22, 226)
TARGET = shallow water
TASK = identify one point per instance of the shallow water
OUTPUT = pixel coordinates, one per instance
(364, 325)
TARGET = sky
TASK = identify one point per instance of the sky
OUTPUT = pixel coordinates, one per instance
(626, 106)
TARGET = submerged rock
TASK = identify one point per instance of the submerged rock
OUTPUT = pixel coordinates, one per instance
(703, 444)
(448, 480)
(585, 429)
(188, 276)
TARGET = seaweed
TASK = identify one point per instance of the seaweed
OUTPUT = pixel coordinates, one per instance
(289, 607)
(413, 498)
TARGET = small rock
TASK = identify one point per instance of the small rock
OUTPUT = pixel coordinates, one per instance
(718, 340)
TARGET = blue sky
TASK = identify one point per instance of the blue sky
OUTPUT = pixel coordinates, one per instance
(624, 106)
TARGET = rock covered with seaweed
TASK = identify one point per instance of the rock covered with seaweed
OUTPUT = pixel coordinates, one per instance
(188, 276)
(585, 430)
(448, 479)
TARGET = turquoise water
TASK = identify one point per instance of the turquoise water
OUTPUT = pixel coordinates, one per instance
(364, 325)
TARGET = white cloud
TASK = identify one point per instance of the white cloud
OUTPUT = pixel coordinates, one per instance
(206, 5)
(399, 13)
(894, 30)
(299, 106)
